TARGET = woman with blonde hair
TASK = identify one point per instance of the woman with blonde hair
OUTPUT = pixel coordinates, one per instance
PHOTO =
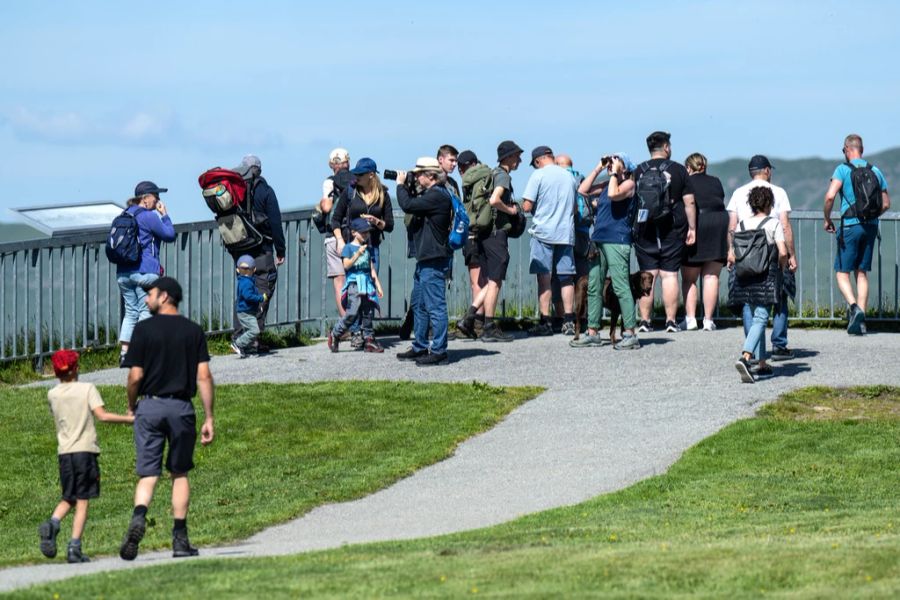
(707, 257)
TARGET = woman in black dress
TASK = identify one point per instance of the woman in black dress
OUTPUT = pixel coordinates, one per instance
(707, 256)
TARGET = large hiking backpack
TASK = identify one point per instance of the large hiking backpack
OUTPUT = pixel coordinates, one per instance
(123, 244)
(652, 193)
(459, 226)
(752, 251)
(478, 185)
(867, 189)
(225, 193)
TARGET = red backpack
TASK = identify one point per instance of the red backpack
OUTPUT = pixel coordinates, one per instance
(224, 192)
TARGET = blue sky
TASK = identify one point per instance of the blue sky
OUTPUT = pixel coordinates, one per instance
(96, 96)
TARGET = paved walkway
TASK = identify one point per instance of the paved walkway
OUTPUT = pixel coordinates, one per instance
(607, 420)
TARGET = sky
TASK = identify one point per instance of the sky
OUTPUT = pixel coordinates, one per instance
(96, 96)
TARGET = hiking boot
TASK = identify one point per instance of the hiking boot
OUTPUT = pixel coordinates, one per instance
(495, 334)
(743, 368)
(629, 342)
(333, 341)
(709, 325)
(781, 354)
(371, 345)
(357, 342)
(431, 360)
(586, 340)
(48, 530)
(689, 324)
(238, 350)
(466, 328)
(181, 546)
(645, 327)
(568, 328)
(857, 317)
(74, 555)
(541, 330)
(411, 354)
(406, 326)
(672, 327)
(129, 548)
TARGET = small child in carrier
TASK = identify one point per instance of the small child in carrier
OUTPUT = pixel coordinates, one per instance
(246, 304)
(756, 294)
(361, 289)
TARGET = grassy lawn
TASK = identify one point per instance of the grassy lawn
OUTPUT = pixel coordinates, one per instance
(280, 450)
(800, 501)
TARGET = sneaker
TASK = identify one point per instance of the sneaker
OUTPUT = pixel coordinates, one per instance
(781, 354)
(129, 548)
(333, 341)
(857, 316)
(371, 345)
(411, 354)
(431, 360)
(743, 368)
(74, 555)
(689, 324)
(645, 327)
(237, 350)
(764, 372)
(181, 547)
(466, 328)
(586, 340)
(541, 329)
(495, 334)
(672, 327)
(568, 328)
(709, 325)
(406, 326)
(48, 530)
(629, 342)
(357, 342)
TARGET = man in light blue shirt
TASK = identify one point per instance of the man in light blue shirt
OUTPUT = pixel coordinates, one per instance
(857, 235)
(550, 196)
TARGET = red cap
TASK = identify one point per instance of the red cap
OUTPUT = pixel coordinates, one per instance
(64, 362)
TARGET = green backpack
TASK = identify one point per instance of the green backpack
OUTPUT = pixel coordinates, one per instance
(478, 185)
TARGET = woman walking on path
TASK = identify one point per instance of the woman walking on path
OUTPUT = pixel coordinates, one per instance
(707, 256)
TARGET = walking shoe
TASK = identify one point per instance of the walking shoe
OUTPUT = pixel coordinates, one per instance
(48, 530)
(709, 325)
(406, 326)
(857, 316)
(466, 328)
(541, 329)
(672, 327)
(763, 372)
(129, 548)
(74, 555)
(262, 348)
(586, 340)
(743, 368)
(372, 346)
(181, 546)
(629, 342)
(568, 328)
(237, 350)
(495, 334)
(431, 360)
(689, 324)
(411, 354)
(645, 327)
(781, 354)
(333, 341)
(357, 342)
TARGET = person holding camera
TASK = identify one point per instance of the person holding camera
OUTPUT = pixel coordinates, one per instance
(433, 254)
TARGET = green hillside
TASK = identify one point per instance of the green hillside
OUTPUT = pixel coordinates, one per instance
(804, 179)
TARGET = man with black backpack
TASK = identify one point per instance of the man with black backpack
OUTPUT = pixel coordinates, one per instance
(269, 255)
(332, 187)
(665, 224)
(864, 198)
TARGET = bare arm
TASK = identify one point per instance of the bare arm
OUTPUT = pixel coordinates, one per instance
(732, 225)
(690, 211)
(108, 417)
(782, 254)
(349, 262)
(496, 201)
(326, 204)
(620, 191)
(830, 195)
(528, 205)
(785, 219)
(205, 387)
(587, 187)
(885, 202)
(135, 375)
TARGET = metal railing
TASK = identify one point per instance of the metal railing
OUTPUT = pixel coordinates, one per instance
(62, 291)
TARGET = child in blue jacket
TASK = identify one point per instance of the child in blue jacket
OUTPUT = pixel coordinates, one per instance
(246, 304)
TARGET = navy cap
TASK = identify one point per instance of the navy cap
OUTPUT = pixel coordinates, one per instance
(148, 187)
(540, 151)
(359, 224)
(363, 166)
(466, 158)
(507, 149)
(759, 162)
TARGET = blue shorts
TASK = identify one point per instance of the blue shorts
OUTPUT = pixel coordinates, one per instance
(547, 258)
(855, 247)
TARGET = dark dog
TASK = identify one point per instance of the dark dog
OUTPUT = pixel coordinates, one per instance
(581, 296)
(641, 285)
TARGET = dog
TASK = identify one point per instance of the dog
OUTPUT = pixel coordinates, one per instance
(641, 283)
(581, 295)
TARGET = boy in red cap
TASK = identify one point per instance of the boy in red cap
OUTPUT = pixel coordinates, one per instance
(72, 403)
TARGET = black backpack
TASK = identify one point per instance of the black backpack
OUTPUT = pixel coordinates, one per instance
(123, 244)
(340, 181)
(652, 192)
(867, 189)
(752, 251)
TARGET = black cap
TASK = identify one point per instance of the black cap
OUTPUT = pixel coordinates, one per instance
(507, 149)
(168, 285)
(540, 151)
(466, 158)
(759, 162)
(148, 187)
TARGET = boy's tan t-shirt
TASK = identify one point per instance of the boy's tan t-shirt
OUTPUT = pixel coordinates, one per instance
(71, 404)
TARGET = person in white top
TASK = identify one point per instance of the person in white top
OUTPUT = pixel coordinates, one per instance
(739, 209)
(338, 160)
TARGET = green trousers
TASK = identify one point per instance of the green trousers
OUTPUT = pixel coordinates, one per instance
(614, 260)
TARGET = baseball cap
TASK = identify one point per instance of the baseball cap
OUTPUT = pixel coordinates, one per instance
(64, 362)
(426, 163)
(168, 285)
(359, 224)
(246, 262)
(540, 151)
(466, 158)
(148, 187)
(338, 155)
(507, 149)
(759, 162)
(363, 166)
(251, 160)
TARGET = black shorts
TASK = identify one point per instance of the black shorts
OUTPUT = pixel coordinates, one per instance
(158, 421)
(472, 253)
(663, 254)
(494, 257)
(79, 476)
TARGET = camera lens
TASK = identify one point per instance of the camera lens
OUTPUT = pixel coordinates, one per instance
(392, 175)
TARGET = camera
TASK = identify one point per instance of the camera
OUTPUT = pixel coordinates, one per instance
(391, 175)
(409, 184)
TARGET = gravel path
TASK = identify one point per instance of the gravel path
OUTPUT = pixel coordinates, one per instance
(607, 420)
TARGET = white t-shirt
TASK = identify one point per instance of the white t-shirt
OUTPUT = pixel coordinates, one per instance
(774, 229)
(738, 202)
(327, 188)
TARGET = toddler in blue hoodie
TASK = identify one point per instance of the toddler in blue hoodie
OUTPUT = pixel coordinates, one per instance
(246, 304)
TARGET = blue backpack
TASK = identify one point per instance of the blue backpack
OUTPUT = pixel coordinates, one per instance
(123, 245)
(459, 230)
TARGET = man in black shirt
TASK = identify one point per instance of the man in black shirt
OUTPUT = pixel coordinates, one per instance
(168, 362)
(433, 255)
